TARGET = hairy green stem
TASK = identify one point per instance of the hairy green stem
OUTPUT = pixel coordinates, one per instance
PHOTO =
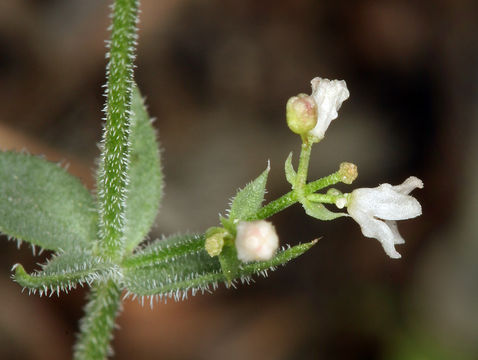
(291, 197)
(113, 170)
(96, 327)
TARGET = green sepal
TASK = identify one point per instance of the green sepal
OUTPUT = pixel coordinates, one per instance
(145, 186)
(64, 272)
(229, 262)
(41, 203)
(249, 199)
(319, 211)
(290, 173)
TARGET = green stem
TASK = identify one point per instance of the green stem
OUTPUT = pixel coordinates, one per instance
(113, 170)
(291, 197)
(96, 327)
(326, 198)
(304, 159)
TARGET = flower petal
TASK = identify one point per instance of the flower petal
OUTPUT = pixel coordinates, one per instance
(409, 185)
(385, 203)
(377, 229)
(329, 96)
(397, 238)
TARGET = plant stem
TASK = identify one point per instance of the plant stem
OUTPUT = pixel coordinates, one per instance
(113, 170)
(291, 197)
(304, 159)
(326, 198)
(96, 327)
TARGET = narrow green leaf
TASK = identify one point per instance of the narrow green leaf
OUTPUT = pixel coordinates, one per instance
(281, 258)
(195, 272)
(44, 205)
(145, 176)
(319, 211)
(290, 173)
(249, 200)
(165, 250)
(64, 272)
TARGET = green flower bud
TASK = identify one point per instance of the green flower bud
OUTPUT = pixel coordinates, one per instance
(214, 244)
(301, 112)
(348, 172)
(215, 240)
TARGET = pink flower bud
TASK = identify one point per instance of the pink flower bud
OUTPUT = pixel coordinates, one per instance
(256, 241)
(301, 112)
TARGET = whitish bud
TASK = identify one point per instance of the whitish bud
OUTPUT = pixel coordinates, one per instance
(301, 112)
(348, 172)
(256, 241)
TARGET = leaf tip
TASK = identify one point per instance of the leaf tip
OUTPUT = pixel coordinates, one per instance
(20, 273)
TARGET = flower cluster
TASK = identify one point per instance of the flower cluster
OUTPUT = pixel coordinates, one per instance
(376, 210)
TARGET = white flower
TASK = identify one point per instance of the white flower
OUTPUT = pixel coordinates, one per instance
(329, 96)
(377, 210)
(256, 240)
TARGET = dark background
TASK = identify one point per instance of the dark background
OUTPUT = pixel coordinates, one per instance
(217, 75)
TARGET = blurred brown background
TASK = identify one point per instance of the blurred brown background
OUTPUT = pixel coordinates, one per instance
(217, 75)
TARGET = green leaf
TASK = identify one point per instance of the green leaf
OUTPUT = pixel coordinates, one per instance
(64, 272)
(44, 205)
(165, 250)
(249, 200)
(193, 271)
(290, 173)
(171, 267)
(281, 258)
(319, 211)
(145, 176)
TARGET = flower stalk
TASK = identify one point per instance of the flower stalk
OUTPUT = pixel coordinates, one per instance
(292, 197)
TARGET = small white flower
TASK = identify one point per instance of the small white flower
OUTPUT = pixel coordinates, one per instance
(256, 241)
(377, 210)
(329, 96)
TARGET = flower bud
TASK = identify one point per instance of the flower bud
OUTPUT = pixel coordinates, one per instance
(301, 112)
(214, 241)
(256, 241)
(348, 172)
